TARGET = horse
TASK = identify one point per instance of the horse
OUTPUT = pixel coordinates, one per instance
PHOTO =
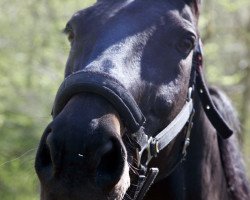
(134, 117)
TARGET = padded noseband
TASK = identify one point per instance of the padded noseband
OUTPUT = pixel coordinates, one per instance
(103, 85)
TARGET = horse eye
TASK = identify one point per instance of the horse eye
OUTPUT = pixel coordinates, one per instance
(186, 45)
(71, 36)
(70, 33)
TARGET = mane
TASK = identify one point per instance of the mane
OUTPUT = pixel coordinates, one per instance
(231, 157)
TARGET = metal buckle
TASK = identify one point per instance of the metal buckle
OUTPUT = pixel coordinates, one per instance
(190, 91)
(150, 150)
(187, 139)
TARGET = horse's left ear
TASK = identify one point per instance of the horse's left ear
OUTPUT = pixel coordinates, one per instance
(195, 6)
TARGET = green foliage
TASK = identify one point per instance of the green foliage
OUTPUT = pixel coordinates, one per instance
(225, 29)
(233, 6)
(33, 53)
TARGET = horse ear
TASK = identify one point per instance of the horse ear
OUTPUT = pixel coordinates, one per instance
(195, 6)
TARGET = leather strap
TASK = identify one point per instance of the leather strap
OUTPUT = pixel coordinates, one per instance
(103, 85)
(142, 183)
(153, 145)
(174, 128)
(222, 127)
(149, 179)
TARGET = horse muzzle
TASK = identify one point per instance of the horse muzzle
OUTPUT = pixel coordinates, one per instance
(82, 150)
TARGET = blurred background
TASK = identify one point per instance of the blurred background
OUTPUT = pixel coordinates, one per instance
(33, 53)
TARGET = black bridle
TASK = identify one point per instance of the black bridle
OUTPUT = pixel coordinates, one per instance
(145, 147)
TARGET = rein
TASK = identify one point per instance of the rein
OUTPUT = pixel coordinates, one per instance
(145, 147)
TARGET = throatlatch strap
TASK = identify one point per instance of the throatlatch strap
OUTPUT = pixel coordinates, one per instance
(211, 111)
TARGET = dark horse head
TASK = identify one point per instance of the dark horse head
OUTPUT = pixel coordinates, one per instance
(127, 57)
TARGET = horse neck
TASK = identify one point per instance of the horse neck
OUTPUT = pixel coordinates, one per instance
(203, 170)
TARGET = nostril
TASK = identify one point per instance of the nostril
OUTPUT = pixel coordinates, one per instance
(106, 148)
(109, 156)
(49, 155)
(55, 152)
(43, 160)
(111, 165)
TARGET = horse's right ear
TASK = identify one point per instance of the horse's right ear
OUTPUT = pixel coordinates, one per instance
(195, 6)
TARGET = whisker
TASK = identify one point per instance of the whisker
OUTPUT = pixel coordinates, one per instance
(127, 197)
(19, 157)
(133, 169)
(129, 139)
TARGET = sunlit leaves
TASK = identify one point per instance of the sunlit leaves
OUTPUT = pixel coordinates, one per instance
(33, 52)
